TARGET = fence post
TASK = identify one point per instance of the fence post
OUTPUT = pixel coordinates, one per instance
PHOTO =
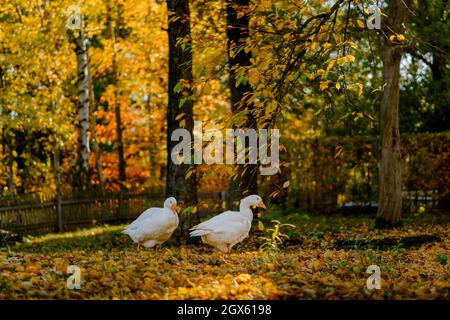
(120, 205)
(59, 212)
(58, 190)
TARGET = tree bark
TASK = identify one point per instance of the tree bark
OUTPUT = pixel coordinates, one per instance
(81, 179)
(153, 150)
(95, 146)
(112, 16)
(57, 174)
(390, 167)
(180, 71)
(244, 180)
(11, 176)
(119, 129)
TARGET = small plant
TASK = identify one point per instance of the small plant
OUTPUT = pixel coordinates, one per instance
(441, 258)
(315, 234)
(275, 236)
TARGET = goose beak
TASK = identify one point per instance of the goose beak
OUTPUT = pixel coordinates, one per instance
(261, 204)
(174, 208)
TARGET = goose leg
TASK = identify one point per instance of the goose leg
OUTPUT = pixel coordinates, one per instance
(224, 251)
(138, 247)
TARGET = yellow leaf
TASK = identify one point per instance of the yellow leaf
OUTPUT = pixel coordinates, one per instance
(360, 23)
(345, 59)
(309, 75)
(352, 44)
(323, 85)
(360, 88)
(331, 64)
(400, 37)
(244, 277)
(260, 226)
(253, 76)
(316, 264)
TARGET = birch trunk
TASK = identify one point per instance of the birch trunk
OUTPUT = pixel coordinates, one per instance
(81, 180)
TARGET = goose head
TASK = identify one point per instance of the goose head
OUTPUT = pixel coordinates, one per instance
(171, 203)
(253, 200)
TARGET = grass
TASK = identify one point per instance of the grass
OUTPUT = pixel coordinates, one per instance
(308, 266)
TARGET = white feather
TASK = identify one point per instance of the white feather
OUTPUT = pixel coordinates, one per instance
(228, 228)
(154, 226)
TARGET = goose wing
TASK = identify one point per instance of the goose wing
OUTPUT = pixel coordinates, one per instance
(226, 222)
(156, 226)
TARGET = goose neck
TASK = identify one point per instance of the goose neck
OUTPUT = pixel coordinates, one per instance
(244, 208)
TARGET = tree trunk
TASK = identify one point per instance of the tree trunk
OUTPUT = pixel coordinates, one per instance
(119, 129)
(244, 180)
(111, 17)
(153, 149)
(11, 176)
(180, 70)
(95, 146)
(57, 174)
(81, 179)
(390, 168)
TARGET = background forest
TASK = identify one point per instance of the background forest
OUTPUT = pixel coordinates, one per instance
(328, 112)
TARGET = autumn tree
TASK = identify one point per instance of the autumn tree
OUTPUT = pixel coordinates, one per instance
(181, 178)
(390, 167)
(245, 178)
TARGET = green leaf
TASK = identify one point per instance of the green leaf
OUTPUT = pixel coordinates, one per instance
(177, 88)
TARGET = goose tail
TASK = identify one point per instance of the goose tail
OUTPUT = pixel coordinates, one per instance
(199, 232)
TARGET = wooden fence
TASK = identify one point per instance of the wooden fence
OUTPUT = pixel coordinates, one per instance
(69, 214)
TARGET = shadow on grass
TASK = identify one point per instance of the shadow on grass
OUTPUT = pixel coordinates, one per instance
(387, 243)
(105, 238)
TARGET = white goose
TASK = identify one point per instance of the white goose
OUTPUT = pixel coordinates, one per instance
(155, 225)
(230, 227)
